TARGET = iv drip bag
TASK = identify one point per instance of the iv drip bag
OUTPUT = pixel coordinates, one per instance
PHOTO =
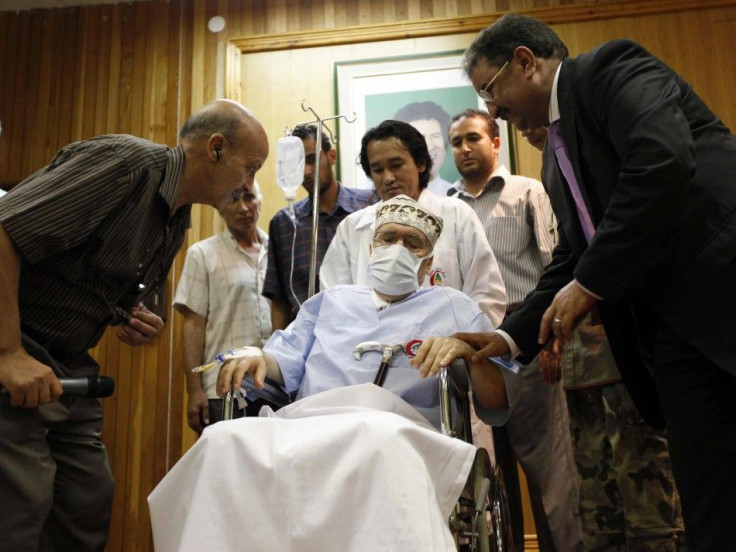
(289, 165)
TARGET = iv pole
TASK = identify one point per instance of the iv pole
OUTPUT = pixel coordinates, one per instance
(315, 188)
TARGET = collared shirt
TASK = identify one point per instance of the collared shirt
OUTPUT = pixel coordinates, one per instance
(520, 226)
(554, 105)
(96, 231)
(222, 283)
(439, 186)
(315, 353)
(462, 257)
(290, 253)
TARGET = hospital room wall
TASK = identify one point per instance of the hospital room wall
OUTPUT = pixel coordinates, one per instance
(141, 68)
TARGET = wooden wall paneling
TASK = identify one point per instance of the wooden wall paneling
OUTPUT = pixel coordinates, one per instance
(53, 36)
(41, 99)
(328, 16)
(232, 73)
(340, 14)
(110, 69)
(22, 79)
(69, 78)
(199, 28)
(79, 76)
(401, 10)
(8, 71)
(718, 64)
(209, 47)
(426, 26)
(228, 9)
(184, 84)
(159, 59)
(130, 361)
(305, 17)
(4, 45)
(175, 398)
(140, 72)
(127, 50)
(178, 83)
(91, 60)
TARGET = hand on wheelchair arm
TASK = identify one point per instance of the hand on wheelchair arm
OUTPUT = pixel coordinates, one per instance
(258, 368)
(487, 344)
(435, 353)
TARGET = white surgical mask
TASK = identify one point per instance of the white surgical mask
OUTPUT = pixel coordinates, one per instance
(394, 269)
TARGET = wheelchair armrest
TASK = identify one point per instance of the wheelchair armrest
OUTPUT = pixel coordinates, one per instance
(454, 384)
(270, 392)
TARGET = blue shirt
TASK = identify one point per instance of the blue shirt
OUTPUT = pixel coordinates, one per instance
(315, 353)
(281, 276)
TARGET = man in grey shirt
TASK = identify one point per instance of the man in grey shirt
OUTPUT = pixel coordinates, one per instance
(82, 242)
(521, 228)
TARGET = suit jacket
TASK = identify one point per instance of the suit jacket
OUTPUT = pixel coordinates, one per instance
(657, 170)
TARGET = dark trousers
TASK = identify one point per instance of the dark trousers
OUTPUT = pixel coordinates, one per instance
(56, 487)
(699, 404)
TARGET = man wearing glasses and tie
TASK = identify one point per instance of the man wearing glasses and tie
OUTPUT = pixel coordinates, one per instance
(642, 178)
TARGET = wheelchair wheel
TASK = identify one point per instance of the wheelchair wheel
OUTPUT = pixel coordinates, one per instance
(481, 520)
(501, 536)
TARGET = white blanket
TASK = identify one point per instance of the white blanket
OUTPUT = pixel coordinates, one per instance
(351, 469)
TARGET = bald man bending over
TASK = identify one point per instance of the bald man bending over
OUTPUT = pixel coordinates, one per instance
(83, 242)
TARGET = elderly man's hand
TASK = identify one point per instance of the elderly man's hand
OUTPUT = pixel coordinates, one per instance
(439, 352)
(488, 344)
(233, 371)
(142, 328)
(28, 382)
(568, 307)
(198, 410)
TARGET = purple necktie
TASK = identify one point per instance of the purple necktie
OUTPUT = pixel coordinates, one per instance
(563, 160)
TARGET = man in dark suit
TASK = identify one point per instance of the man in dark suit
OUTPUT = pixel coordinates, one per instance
(642, 178)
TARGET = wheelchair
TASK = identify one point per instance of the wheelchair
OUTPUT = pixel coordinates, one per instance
(480, 521)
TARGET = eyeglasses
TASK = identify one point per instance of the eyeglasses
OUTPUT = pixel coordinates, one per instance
(486, 93)
(415, 244)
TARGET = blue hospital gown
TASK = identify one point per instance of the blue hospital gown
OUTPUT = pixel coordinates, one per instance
(315, 352)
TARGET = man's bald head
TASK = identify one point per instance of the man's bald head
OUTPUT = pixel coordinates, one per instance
(224, 146)
(226, 117)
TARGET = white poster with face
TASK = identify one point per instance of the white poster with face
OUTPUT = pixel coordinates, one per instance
(425, 91)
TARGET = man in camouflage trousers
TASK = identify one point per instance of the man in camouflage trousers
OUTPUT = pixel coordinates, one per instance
(628, 499)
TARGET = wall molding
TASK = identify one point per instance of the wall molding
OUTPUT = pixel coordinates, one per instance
(457, 25)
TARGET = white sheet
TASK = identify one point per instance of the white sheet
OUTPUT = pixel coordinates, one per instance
(351, 469)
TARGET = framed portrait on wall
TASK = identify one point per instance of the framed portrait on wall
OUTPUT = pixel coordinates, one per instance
(426, 90)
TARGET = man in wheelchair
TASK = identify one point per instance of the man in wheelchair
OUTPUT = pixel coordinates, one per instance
(350, 465)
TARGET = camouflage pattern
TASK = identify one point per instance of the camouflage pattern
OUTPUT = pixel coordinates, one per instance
(587, 359)
(627, 491)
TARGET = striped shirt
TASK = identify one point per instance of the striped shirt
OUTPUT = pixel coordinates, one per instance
(96, 233)
(287, 279)
(520, 226)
